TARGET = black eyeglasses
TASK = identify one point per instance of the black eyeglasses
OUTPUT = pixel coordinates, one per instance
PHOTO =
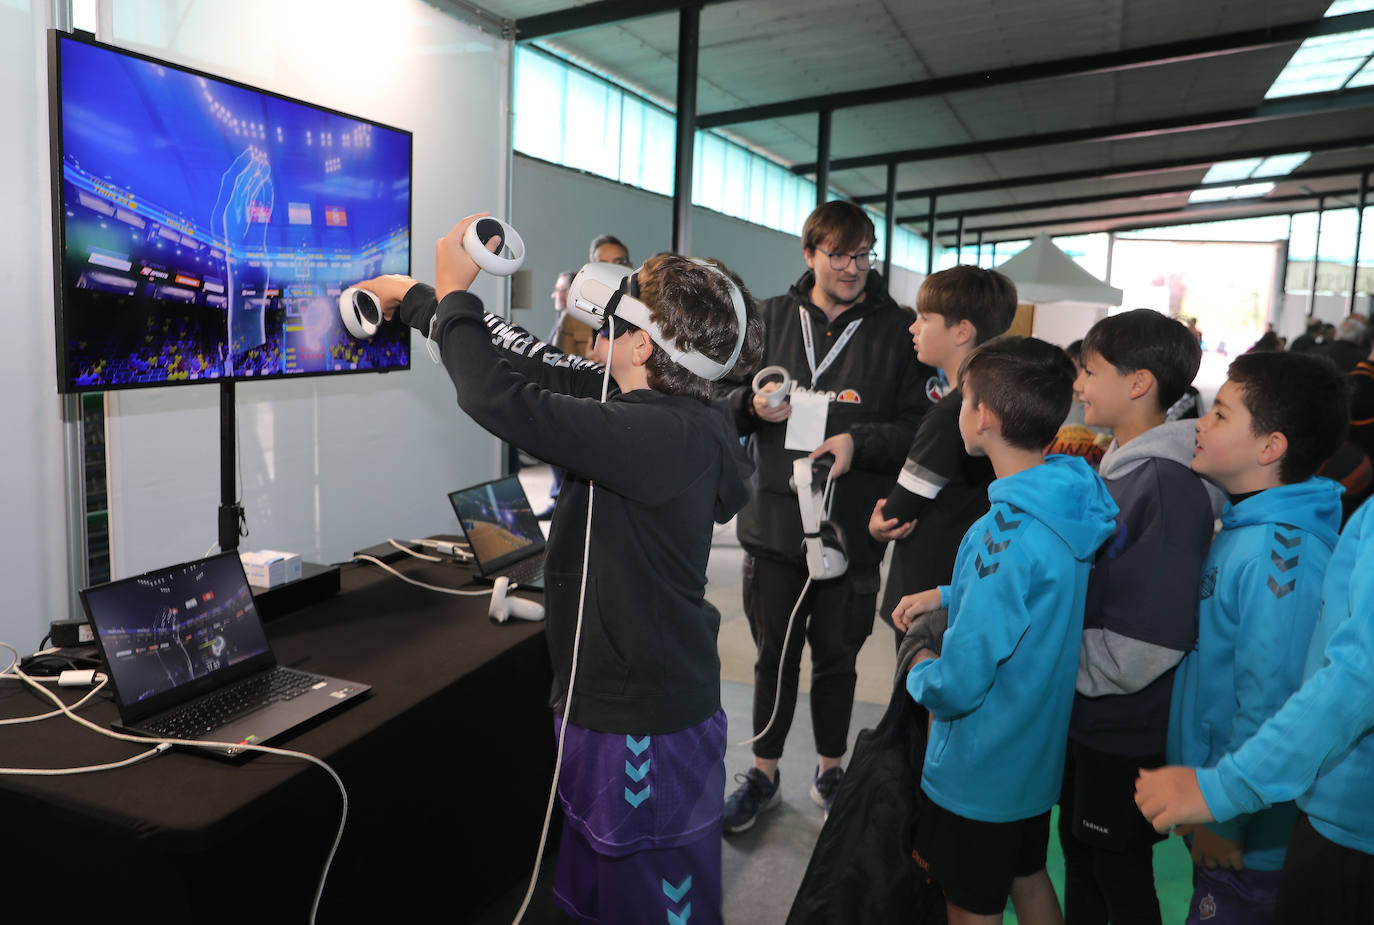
(862, 261)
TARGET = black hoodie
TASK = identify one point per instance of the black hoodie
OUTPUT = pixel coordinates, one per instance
(665, 467)
(877, 395)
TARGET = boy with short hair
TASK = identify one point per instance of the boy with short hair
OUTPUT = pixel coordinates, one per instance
(1318, 748)
(1136, 627)
(941, 489)
(1001, 690)
(1274, 421)
(644, 733)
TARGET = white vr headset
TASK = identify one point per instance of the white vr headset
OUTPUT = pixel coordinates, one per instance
(823, 540)
(602, 290)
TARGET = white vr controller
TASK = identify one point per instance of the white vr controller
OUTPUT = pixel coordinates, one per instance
(823, 540)
(361, 310)
(504, 607)
(777, 397)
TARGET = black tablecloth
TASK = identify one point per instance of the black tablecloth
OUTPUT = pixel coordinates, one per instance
(447, 766)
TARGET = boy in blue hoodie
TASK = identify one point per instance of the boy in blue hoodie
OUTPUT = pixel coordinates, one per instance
(1273, 423)
(1136, 628)
(1318, 748)
(1000, 692)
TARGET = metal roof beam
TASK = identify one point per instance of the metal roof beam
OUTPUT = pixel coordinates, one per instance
(600, 13)
(1287, 107)
(1200, 208)
(1138, 194)
(1124, 171)
(1105, 63)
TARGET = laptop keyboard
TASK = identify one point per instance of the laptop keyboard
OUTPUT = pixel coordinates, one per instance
(210, 713)
(526, 571)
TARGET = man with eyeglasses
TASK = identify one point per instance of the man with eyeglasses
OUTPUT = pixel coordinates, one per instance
(857, 393)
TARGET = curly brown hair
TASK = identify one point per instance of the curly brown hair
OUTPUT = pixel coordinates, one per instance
(692, 304)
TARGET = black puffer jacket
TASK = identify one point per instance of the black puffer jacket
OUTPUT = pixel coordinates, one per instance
(876, 389)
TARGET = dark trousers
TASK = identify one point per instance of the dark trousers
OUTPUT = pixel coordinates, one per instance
(835, 618)
(1108, 846)
(1324, 882)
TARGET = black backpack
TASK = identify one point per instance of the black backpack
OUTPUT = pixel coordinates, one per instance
(862, 871)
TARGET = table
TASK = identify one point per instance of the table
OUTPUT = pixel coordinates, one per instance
(447, 766)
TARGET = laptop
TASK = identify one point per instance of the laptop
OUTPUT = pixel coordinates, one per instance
(502, 531)
(187, 658)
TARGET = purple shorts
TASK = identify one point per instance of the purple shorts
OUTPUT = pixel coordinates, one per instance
(1233, 897)
(672, 885)
(641, 830)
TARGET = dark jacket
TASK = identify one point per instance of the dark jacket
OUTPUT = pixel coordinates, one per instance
(665, 468)
(862, 871)
(1141, 613)
(876, 392)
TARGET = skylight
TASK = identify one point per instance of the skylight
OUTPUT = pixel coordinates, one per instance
(1326, 63)
(1250, 168)
(1244, 191)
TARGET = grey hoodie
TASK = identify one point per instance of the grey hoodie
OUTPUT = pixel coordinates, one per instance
(1141, 612)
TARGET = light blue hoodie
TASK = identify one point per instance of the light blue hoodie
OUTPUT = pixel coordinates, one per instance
(1258, 604)
(1001, 691)
(1319, 747)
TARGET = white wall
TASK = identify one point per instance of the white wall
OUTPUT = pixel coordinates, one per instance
(558, 211)
(327, 465)
(33, 570)
(1063, 323)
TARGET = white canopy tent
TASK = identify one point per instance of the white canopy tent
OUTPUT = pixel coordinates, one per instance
(1044, 274)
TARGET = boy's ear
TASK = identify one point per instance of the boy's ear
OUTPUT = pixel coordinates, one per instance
(1273, 449)
(965, 332)
(987, 418)
(1142, 382)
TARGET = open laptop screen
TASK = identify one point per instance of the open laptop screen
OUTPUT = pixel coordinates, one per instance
(498, 522)
(175, 632)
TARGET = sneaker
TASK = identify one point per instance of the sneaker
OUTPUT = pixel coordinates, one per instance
(756, 794)
(825, 786)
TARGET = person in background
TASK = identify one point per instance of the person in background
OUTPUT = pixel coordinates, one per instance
(1000, 690)
(857, 394)
(1275, 420)
(1133, 367)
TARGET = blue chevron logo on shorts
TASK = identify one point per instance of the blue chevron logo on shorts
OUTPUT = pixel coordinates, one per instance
(1281, 591)
(680, 918)
(634, 799)
(675, 893)
(636, 774)
(637, 745)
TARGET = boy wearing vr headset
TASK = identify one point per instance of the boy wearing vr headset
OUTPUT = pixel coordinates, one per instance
(644, 747)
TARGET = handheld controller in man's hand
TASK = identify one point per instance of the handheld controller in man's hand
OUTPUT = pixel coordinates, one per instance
(762, 377)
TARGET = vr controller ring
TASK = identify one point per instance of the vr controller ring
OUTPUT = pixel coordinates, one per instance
(361, 312)
(475, 243)
(775, 398)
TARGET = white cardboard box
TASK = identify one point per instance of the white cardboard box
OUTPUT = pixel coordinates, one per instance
(267, 568)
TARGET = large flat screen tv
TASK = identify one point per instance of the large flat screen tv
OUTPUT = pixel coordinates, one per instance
(203, 229)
